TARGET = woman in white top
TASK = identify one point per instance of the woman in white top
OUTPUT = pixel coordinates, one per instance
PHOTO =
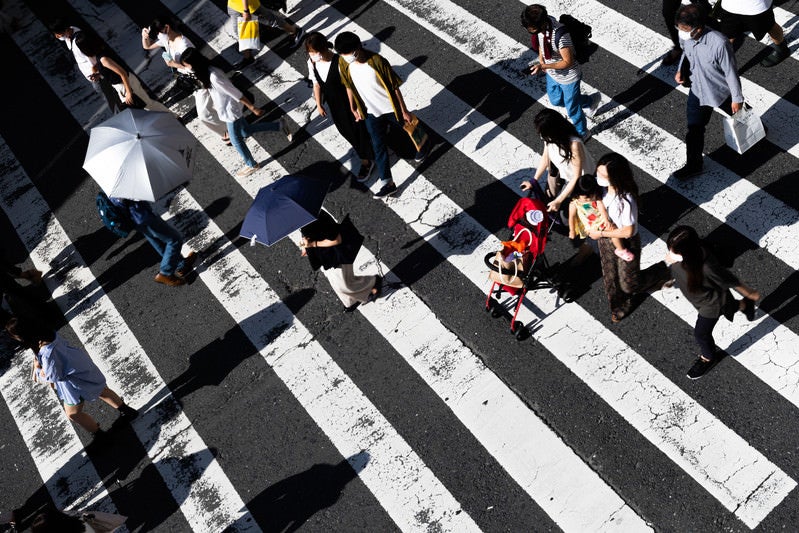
(614, 172)
(329, 89)
(229, 103)
(127, 85)
(564, 155)
(168, 36)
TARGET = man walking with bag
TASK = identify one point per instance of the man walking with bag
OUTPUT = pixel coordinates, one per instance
(714, 82)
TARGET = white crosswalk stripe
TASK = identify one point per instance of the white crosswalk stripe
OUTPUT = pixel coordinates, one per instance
(750, 482)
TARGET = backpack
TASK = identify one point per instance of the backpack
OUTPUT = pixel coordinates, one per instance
(581, 36)
(114, 218)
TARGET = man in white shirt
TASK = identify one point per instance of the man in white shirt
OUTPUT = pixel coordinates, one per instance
(66, 33)
(737, 17)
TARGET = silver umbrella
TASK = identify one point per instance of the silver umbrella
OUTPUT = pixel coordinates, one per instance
(140, 155)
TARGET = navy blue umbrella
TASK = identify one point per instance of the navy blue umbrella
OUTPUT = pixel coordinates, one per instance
(284, 206)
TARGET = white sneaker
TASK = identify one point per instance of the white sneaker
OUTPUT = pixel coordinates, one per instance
(246, 171)
(286, 128)
(596, 99)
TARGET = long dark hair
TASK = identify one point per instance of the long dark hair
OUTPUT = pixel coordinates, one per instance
(349, 43)
(199, 64)
(620, 174)
(29, 332)
(89, 44)
(555, 129)
(686, 242)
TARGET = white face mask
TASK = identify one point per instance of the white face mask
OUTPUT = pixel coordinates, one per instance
(315, 57)
(349, 58)
(602, 182)
(672, 258)
(685, 35)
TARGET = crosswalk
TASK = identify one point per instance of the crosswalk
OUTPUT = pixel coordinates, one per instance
(441, 420)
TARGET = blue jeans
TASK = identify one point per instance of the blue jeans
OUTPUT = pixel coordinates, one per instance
(697, 117)
(378, 129)
(166, 240)
(241, 129)
(569, 96)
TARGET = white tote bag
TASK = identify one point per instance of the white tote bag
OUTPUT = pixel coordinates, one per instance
(743, 129)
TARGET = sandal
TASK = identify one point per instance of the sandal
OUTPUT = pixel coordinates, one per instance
(617, 316)
(226, 140)
(376, 290)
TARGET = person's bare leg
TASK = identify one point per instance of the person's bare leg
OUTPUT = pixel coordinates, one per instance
(776, 34)
(75, 413)
(111, 398)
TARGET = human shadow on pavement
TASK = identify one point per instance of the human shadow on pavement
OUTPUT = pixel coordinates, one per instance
(288, 504)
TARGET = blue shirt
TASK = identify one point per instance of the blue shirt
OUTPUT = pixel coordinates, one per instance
(140, 211)
(714, 73)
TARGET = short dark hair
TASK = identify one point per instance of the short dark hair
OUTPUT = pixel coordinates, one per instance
(58, 25)
(536, 16)
(690, 15)
(317, 41)
(347, 43)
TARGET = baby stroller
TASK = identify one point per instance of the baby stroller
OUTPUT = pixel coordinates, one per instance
(521, 264)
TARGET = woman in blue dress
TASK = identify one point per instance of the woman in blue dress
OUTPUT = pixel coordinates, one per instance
(69, 371)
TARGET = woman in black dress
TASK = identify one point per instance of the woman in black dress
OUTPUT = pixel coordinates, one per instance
(334, 246)
(706, 284)
(327, 88)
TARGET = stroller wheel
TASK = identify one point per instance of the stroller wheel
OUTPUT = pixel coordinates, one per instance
(517, 327)
(567, 295)
(521, 332)
(496, 312)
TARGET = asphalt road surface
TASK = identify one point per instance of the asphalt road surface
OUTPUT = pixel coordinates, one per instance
(266, 408)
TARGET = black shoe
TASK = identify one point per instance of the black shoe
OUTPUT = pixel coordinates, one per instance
(127, 413)
(100, 438)
(779, 54)
(352, 308)
(387, 190)
(245, 62)
(688, 171)
(700, 368)
(749, 309)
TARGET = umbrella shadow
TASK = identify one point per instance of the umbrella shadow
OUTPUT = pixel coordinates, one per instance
(288, 504)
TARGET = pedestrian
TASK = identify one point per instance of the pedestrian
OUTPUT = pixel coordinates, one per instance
(714, 82)
(67, 34)
(706, 284)
(737, 17)
(557, 59)
(619, 276)
(167, 35)
(669, 11)
(229, 103)
(165, 239)
(69, 371)
(333, 246)
(373, 90)
(564, 156)
(246, 9)
(587, 212)
(127, 85)
(328, 89)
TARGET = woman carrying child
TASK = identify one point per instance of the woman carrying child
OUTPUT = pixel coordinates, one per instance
(587, 212)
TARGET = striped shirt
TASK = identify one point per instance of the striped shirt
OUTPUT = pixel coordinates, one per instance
(564, 76)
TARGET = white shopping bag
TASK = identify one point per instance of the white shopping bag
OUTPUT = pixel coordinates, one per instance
(249, 34)
(743, 130)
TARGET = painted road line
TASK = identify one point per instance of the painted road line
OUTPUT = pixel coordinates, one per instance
(206, 497)
(558, 480)
(425, 202)
(501, 160)
(404, 485)
(69, 475)
(721, 193)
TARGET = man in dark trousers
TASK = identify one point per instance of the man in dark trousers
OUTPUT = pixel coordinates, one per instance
(714, 81)
(166, 240)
